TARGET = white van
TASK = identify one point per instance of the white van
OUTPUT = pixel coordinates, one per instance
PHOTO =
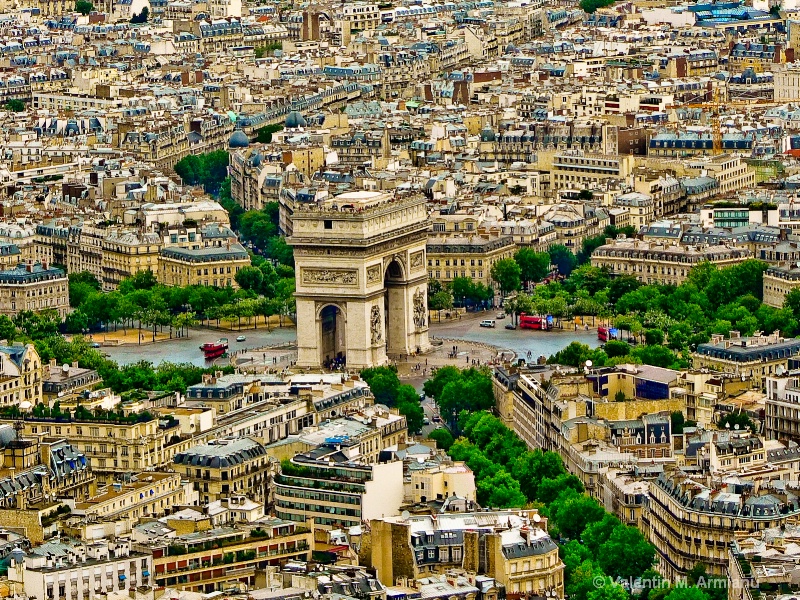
(487, 323)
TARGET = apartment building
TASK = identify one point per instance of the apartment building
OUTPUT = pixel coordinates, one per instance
(700, 390)
(578, 171)
(216, 559)
(225, 466)
(21, 375)
(779, 280)
(756, 357)
(693, 521)
(441, 481)
(662, 262)
(35, 287)
(334, 487)
(76, 570)
(114, 446)
(514, 549)
(215, 266)
(145, 495)
(65, 382)
(127, 252)
(462, 255)
(782, 410)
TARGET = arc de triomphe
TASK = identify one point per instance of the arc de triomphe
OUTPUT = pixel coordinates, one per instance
(361, 278)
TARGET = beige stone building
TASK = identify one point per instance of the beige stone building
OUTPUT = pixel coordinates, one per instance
(577, 170)
(21, 375)
(779, 280)
(216, 559)
(225, 466)
(126, 252)
(149, 495)
(755, 357)
(216, 266)
(661, 262)
(114, 447)
(513, 547)
(443, 481)
(466, 255)
(690, 522)
(35, 287)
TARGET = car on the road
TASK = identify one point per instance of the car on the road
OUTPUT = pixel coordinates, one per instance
(437, 419)
(487, 323)
(426, 421)
(422, 397)
(241, 338)
(501, 315)
(95, 344)
(510, 326)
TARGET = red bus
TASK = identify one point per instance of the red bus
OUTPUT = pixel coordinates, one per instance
(607, 333)
(531, 322)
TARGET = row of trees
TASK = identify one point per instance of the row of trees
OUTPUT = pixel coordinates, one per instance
(665, 322)
(141, 300)
(42, 330)
(513, 274)
(596, 547)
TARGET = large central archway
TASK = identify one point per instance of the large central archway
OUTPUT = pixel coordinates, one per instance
(332, 327)
(394, 308)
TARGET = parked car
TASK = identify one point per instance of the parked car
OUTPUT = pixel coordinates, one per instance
(510, 326)
(501, 315)
(487, 323)
(95, 344)
(426, 421)
(437, 419)
(241, 338)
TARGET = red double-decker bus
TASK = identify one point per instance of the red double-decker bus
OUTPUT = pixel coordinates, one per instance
(607, 333)
(532, 322)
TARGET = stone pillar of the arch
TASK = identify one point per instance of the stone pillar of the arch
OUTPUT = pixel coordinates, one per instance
(364, 349)
(407, 334)
(309, 334)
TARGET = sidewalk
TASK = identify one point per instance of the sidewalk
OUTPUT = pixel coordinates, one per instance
(459, 353)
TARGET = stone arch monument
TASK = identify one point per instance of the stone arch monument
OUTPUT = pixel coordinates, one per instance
(362, 280)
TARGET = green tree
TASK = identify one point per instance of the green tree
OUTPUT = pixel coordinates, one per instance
(585, 195)
(736, 420)
(442, 437)
(7, 330)
(15, 105)
(235, 211)
(677, 422)
(563, 258)
(434, 386)
(626, 554)
(440, 301)
(250, 278)
(408, 405)
(590, 6)
(84, 7)
(686, 593)
(141, 17)
(383, 383)
(534, 266)
(500, 490)
(506, 273)
(572, 512)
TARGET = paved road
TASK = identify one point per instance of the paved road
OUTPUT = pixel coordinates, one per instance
(519, 340)
(185, 350)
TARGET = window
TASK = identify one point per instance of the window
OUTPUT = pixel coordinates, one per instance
(328, 224)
